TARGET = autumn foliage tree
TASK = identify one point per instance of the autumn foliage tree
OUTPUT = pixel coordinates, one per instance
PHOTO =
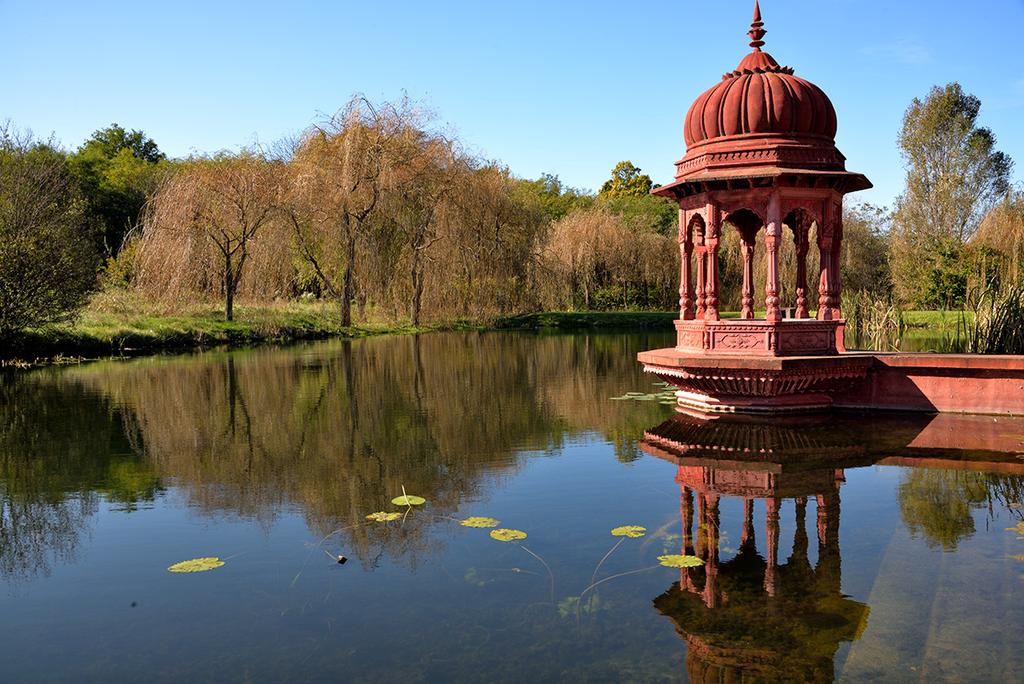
(204, 222)
(341, 171)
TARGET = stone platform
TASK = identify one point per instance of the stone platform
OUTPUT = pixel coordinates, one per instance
(752, 383)
(788, 337)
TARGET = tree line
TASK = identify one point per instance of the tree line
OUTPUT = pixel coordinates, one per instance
(387, 215)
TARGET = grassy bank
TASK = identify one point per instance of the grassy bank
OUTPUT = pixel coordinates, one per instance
(118, 323)
(118, 326)
(121, 324)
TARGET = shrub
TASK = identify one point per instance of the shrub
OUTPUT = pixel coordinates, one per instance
(47, 260)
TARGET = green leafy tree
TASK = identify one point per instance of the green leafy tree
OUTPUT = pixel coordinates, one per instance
(555, 199)
(117, 170)
(47, 263)
(645, 213)
(864, 261)
(626, 181)
(954, 177)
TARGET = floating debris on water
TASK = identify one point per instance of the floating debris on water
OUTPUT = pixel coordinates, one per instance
(506, 535)
(384, 516)
(197, 564)
(678, 561)
(479, 521)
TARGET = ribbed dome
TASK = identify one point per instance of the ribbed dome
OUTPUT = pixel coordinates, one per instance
(760, 119)
(760, 97)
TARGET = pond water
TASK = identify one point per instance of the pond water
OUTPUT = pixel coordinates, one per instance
(852, 547)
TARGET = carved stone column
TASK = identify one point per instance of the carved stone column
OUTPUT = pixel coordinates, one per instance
(825, 274)
(747, 247)
(830, 241)
(837, 261)
(773, 228)
(802, 245)
(685, 255)
(711, 239)
(702, 278)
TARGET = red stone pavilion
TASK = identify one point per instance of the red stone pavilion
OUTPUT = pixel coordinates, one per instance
(761, 160)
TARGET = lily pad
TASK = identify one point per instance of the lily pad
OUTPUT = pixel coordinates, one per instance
(631, 531)
(677, 561)
(507, 535)
(479, 521)
(384, 516)
(408, 500)
(197, 565)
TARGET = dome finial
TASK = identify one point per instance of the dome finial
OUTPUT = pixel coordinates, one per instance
(756, 31)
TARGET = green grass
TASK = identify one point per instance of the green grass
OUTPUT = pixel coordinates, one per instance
(122, 324)
(937, 320)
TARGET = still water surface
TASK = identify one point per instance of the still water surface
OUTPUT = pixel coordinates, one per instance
(855, 548)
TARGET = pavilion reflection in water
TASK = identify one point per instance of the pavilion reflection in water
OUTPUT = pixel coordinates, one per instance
(754, 616)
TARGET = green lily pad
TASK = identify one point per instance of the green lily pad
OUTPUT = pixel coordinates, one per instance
(677, 561)
(197, 565)
(479, 521)
(384, 516)
(507, 535)
(631, 531)
(408, 500)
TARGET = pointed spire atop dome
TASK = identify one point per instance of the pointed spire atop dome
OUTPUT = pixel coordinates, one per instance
(756, 31)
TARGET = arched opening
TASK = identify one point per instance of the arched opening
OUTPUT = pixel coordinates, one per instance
(693, 242)
(747, 224)
(799, 265)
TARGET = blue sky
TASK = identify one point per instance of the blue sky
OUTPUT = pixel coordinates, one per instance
(562, 87)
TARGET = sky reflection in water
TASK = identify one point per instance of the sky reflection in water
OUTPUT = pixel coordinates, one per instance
(859, 547)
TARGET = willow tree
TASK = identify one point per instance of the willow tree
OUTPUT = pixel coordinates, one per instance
(203, 222)
(497, 239)
(418, 209)
(340, 172)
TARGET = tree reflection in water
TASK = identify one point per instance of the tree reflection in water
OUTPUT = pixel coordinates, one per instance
(327, 433)
(63, 448)
(335, 430)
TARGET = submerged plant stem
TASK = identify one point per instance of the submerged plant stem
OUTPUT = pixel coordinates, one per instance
(579, 604)
(546, 567)
(601, 562)
(317, 546)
